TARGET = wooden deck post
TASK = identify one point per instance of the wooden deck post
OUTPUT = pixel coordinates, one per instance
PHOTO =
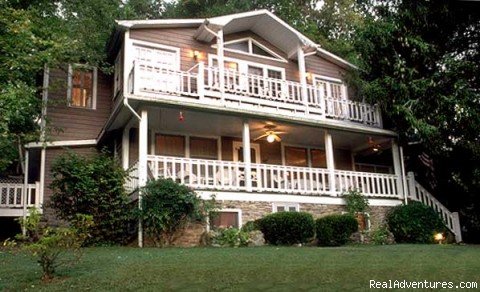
(246, 156)
(303, 76)
(201, 80)
(330, 163)
(397, 166)
(125, 147)
(457, 229)
(25, 191)
(142, 165)
(221, 65)
(412, 193)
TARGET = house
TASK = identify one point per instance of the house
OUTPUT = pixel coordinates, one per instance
(241, 107)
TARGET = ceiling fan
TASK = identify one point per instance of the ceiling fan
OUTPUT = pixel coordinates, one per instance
(376, 147)
(271, 134)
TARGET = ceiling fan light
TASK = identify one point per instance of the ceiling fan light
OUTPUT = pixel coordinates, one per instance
(271, 138)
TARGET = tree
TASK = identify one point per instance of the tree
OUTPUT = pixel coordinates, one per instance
(420, 62)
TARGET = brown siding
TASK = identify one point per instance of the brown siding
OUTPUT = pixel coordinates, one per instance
(67, 123)
(51, 155)
(183, 39)
(343, 159)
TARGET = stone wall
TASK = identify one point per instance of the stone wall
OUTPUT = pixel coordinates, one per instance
(252, 210)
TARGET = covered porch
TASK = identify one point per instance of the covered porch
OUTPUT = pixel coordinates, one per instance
(208, 151)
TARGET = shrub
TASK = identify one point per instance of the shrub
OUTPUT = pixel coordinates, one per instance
(356, 202)
(414, 223)
(92, 186)
(335, 230)
(53, 247)
(167, 207)
(287, 227)
(232, 237)
(251, 226)
(381, 236)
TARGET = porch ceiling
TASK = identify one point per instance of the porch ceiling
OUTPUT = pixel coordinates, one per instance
(209, 124)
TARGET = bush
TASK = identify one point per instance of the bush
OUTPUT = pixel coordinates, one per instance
(251, 226)
(53, 247)
(356, 202)
(167, 207)
(381, 236)
(92, 186)
(287, 227)
(231, 237)
(335, 230)
(414, 223)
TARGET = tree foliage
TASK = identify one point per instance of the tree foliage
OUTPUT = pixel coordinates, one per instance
(92, 186)
(421, 62)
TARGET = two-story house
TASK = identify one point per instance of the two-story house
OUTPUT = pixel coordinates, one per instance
(241, 107)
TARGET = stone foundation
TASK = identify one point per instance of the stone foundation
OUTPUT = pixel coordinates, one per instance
(252, 210)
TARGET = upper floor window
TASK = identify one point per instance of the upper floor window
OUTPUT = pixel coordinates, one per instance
(82, 86)
(251, 47)
(331, 87)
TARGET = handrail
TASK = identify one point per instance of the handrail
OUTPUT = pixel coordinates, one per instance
(12, 195)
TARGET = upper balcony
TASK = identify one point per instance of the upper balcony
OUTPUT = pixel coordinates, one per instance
(204, 85)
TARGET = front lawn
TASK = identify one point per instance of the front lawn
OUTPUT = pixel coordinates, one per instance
(265, 268)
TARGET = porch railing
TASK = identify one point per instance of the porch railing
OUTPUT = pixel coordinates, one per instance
(418, 193)
(249, 91)
(12, 195)
(230, 176)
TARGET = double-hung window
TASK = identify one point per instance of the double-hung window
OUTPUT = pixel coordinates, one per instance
(82, 86)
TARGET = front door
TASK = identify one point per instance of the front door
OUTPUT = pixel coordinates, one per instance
(238, 152)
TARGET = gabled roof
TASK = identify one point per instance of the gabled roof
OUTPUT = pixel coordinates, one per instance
(262, 22)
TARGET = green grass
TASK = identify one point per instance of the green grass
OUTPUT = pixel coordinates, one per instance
(266, 268)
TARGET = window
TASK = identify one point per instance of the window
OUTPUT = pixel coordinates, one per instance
(203, 148)
(296, 156)
(82, 86)
(118, 74)
(226, 218)
(318, 158)
(170, 145)
(285, 207)
(251, 47)
(332, 88)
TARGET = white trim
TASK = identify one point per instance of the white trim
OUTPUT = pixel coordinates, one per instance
(325, 200)
(287, 206)
(251, 41)
(243, 65)
(255, 146)
(61, 143)
(326, 78)
(153, 45)
(70, 85)
(230, 210)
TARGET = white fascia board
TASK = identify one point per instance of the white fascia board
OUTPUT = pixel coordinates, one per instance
(301, 199)
(64, 143)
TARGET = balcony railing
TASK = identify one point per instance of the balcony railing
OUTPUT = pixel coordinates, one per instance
(12, 195)
(205, 174)
(253, 92)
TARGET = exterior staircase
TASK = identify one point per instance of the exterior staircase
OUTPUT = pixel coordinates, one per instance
(418, 193)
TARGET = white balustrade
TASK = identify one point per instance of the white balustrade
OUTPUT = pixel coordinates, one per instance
(12, 196)
(247, 89)
(229, 176)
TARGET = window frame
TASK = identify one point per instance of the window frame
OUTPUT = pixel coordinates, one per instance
(71, 68)
(331, 80)
(309, 155)
(286, 205)
(251, 41)
(228, 210)
(243, 65)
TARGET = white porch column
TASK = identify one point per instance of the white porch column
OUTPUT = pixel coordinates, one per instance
(25, 191)
(125, 147)
(397, 166)
(330, 163)
(303, 76)
(246, 156)
(142, 164)
(221, 65)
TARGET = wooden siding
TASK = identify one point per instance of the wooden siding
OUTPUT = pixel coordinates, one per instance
(68, 123)
(183, 39)
(51, 155)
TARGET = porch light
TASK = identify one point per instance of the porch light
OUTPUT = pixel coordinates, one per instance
(196, 55)
(439, 237)
(308, 75)
(271, 138)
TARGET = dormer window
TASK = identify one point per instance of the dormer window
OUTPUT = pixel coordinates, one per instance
(251, 47)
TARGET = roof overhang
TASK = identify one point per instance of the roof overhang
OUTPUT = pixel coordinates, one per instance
(262, 22)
